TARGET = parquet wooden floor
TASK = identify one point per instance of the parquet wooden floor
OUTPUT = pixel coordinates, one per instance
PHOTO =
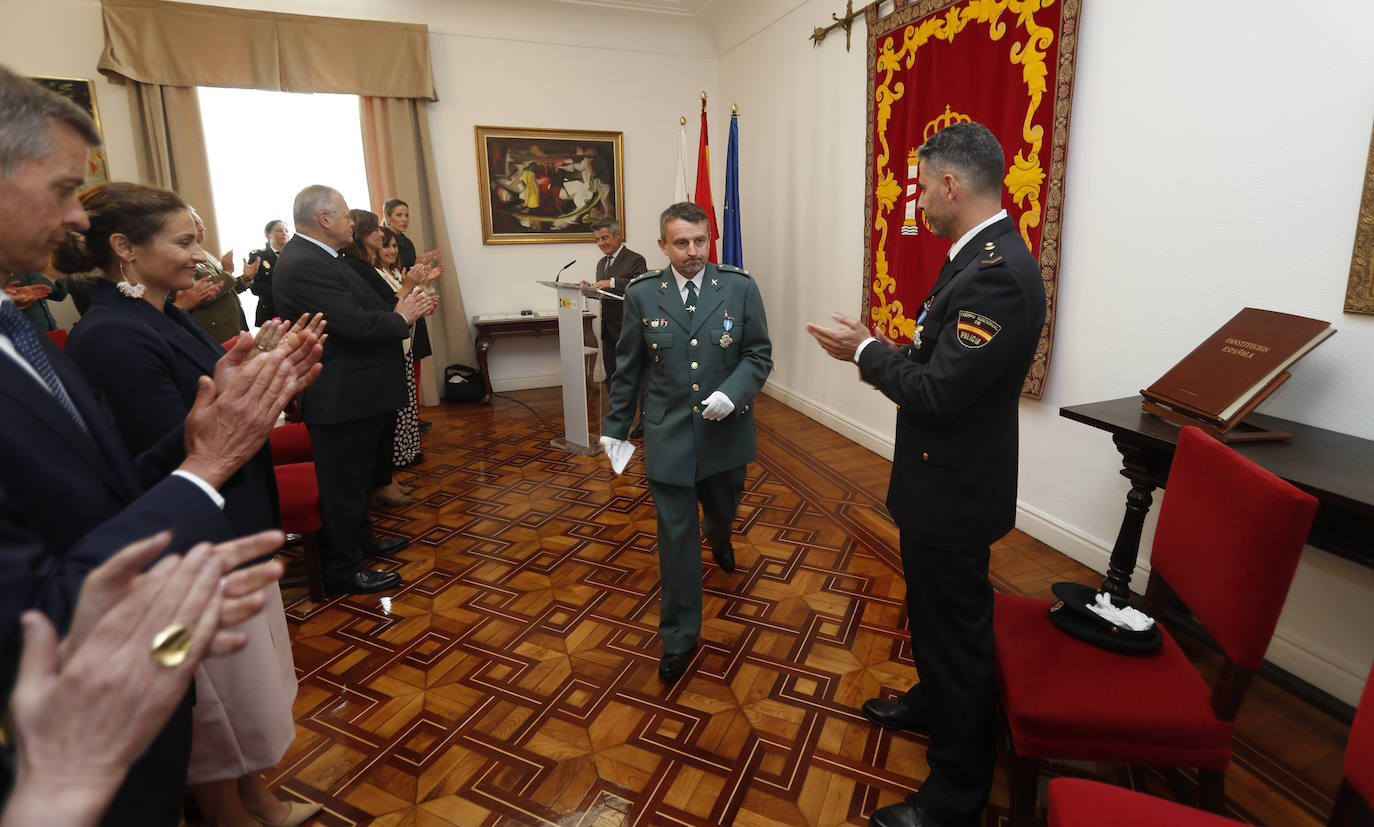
(512, 679)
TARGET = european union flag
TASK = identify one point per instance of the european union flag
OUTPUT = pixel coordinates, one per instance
(733, 252)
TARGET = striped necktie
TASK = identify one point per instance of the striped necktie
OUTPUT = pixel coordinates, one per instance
(21, 333)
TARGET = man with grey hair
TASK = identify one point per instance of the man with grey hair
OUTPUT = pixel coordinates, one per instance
(350, 409)
(70, 496)
(953, 487)
(614, 271)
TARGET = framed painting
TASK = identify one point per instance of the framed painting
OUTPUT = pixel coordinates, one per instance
(1359, 290)
(547, 185)
(81, 91)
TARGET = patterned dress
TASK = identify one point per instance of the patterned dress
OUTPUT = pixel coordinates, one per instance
(406, 447)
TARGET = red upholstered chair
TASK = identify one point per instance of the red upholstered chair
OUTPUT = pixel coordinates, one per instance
(1355, 800)
(59, 338)
(298, 493)
(1228, 542)
(291, 443)
(1075, 802)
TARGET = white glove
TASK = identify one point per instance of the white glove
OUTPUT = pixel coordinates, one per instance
(618, 451)
(717, 406)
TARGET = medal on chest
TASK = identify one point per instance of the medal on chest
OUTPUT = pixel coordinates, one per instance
(725, 338)
(920, 324)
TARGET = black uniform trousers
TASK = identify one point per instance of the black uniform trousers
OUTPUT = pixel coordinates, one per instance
(949, 607)
(679, 547)
(345, 484)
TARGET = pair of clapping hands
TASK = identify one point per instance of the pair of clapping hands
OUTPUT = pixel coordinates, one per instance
(412, 300)
(84, 709)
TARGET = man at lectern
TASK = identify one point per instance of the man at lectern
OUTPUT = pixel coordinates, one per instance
(613, 274)
(696, 338)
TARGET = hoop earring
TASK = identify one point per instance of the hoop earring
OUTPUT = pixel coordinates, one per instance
(128, 288)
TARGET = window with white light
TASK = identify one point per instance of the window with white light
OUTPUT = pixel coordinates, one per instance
(263, 148)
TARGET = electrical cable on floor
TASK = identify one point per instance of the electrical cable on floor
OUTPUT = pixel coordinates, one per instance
(546, 426)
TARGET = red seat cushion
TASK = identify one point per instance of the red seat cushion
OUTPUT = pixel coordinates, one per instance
(1359, 752)
(1075, 802)
(1068, 699)
(291, 443)
(59, 338)
(298, 491)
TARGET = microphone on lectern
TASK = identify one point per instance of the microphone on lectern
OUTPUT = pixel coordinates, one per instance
(565, 266)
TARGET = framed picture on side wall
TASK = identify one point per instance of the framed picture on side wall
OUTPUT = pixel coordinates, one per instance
(547, 185)
(1359, 290)
(81, 91)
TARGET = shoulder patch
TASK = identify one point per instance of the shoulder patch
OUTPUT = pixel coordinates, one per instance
(975, 330)
(643, 276)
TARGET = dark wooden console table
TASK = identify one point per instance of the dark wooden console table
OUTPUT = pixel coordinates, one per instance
(1335, 468)
(513, 324)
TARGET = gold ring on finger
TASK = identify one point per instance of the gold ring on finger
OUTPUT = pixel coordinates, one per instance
(171, 645)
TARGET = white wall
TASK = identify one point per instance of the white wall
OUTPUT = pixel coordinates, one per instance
(1214, 163)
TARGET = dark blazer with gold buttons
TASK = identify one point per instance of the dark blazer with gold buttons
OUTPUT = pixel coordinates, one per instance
(958, 388)
(683, 357)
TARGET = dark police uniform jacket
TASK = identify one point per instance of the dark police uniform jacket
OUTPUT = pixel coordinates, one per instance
(262, 283)
(957, 387)
(687, 356)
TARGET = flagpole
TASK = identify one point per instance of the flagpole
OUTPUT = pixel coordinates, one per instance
(680, 192)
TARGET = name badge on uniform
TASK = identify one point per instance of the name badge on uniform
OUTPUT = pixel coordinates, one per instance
(728, 323)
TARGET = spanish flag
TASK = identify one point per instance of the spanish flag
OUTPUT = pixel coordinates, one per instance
(703, 189)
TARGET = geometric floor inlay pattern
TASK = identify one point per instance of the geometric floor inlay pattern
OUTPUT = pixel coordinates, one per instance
(513, 678)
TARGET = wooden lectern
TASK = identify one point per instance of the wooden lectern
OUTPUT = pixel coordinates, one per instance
(573, 359)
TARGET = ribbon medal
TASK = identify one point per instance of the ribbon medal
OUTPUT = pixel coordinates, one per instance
(725, 338)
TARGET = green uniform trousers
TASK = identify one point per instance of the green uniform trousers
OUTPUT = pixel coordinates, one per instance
(679, 547)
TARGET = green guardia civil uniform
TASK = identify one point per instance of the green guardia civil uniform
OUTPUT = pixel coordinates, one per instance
(683, 356)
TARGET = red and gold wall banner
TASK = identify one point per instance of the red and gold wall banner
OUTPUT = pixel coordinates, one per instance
(1007, 64)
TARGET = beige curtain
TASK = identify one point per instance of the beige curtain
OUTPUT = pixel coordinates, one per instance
(171, 148)
(400, 164)
(183, 44)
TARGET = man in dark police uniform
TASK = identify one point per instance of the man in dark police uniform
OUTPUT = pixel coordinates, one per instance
(695, 335)
(953, 487)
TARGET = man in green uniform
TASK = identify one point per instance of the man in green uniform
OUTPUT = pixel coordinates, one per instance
(696, 334)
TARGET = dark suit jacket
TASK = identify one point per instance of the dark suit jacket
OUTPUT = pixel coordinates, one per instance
(682, 361)
(364, 368)
(626, 266)
(262, 283)
(68, 501)
(147, 365)
(954, 468)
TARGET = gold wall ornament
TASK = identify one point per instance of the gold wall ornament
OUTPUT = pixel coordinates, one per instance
(846, 23)
(1359, 290)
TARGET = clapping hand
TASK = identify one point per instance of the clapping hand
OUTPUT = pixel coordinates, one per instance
(204, 290)
(416, 305)
(843, 342)
(227, 261)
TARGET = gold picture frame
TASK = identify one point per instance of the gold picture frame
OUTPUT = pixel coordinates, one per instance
(1359, 290)
(548, 186)
(81, 91)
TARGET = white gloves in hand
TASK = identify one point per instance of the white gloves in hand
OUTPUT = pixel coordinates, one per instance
(618, 451)
(717, 406)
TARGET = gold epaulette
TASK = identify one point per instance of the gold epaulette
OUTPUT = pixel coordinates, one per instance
(730, 268)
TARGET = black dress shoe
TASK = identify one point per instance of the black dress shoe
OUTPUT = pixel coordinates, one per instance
(897, 713)
(386, 545)
(673, 664)
(637, 432)
(908, 813)
(364, 581)
(723, 552)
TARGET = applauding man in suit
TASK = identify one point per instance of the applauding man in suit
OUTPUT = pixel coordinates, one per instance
(348, 411)
(696, 337)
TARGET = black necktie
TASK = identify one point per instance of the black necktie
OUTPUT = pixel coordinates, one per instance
(21, 333)
(691, 302)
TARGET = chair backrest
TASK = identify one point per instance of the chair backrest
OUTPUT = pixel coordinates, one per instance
(59, 337)
(1228, 542)
(1359, 752)
(291, 444)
